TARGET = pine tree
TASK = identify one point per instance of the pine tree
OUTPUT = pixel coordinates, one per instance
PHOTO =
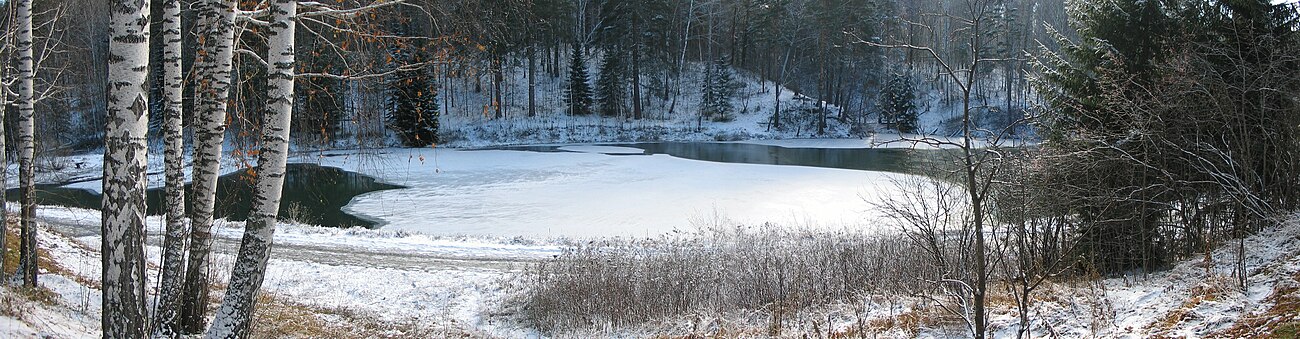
(719, 89)
(413, 103)
(898, 104)
(611, 87)
(1128, 36)
(578, 92)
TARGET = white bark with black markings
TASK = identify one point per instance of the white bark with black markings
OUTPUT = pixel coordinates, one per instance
(26, 145)
(236, 312)
(4, 185)
(125, 166)
(173, 256)
(212, 67)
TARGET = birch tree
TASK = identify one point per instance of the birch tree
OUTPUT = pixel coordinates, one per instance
(125, 165)
(212, 67)
(235, 315)
(4, 171)
(4, 183)
(26, 145)
(170, 284)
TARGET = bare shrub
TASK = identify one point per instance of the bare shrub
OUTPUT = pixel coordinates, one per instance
(771, 270)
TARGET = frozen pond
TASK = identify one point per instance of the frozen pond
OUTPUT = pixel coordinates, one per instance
(624, 190)
(572, 190)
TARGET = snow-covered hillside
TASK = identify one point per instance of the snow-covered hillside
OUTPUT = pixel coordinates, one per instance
(468, 120)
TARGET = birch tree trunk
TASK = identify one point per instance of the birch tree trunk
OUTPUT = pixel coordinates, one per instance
(4, 185)
(169, 286)
(124, 314)
(235, 315)
(212, 67)
(27, 267)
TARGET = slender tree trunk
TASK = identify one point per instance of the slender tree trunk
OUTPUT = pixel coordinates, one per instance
(125, 165)
(821, 82)
(532, 80)
(213, 70)
(4, 186)
(170, 284)
(974, 189)
(26, 146)
(497, 78)
(236, 312)
(636, 83)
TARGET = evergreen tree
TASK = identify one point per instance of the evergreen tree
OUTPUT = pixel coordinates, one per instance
(1127, 36)
(319, 113)
(412, 103)
(898, 104)
(611, 87)
(578, 92)
(1115, 60)
(719, 89)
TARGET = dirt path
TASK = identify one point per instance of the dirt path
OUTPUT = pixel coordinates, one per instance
(338, 255)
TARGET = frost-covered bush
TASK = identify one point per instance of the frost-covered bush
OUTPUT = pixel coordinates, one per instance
(771, 270)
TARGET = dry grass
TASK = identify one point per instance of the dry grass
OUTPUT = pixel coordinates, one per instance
(1212, 289)
(44, 261)
(910, 322)
(11, 246)
(1282, 320)
(279, 318)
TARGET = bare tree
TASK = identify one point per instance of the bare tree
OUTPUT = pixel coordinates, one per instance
(125, 166)
(236, 313)
(979, 164)
(212, 67)
(170, 285)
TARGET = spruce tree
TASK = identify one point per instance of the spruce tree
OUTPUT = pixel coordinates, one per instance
(898, 104)
(611, 87)
(578, 92)
(719, 89)
(1124, 37)
(412, 103)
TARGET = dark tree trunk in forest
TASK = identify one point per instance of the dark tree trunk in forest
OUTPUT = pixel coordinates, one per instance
(497, 78)
(636, 83)
(532, 80)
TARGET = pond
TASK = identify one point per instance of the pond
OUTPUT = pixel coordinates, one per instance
(640, 188)
(643, 189)
(313, 194)
(896, 160)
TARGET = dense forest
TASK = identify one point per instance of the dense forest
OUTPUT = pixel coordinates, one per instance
(488, 58)
(1158, 130)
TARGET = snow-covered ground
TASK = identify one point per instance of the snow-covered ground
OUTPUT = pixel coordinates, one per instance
(394, 277)
(1196, 298)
